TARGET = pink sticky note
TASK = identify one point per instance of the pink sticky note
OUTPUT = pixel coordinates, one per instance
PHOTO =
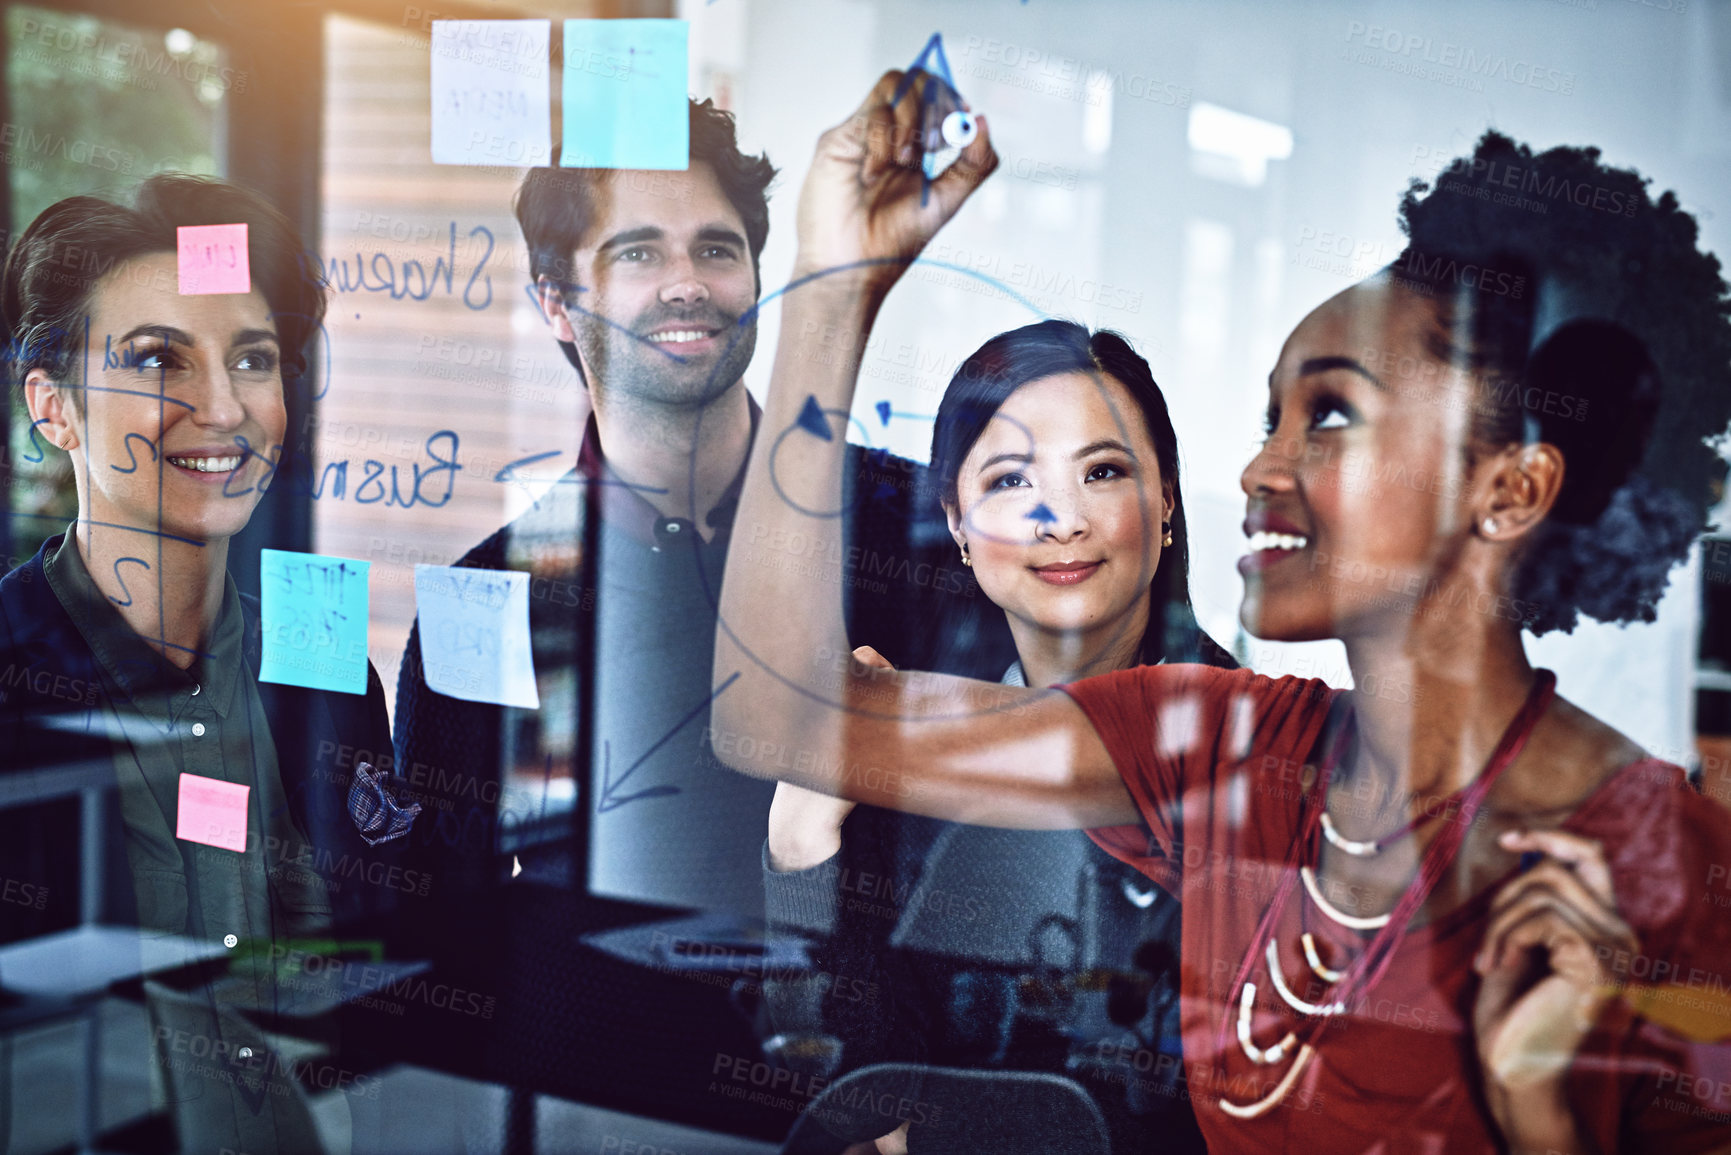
(212, 812)
(213, 259)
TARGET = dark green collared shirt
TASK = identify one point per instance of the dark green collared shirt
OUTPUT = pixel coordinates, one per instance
(193, 899)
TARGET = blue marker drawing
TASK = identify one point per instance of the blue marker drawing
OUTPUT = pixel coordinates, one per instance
(60, 519)
(385, 272)
(886, 412)
(671, 356)
(932, 54)
(118, 562)
(1041, 514)
(934, 45)
(508, 473)
(35, 442)
(535, 297)
(608, 800)
(153, 395)
(131, 455)
(811, 419)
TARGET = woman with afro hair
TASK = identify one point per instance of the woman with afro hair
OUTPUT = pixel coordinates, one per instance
(1446, 910)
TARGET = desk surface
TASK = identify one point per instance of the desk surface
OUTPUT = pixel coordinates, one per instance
(87, 960)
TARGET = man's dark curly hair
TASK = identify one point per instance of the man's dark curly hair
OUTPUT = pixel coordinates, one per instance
(1591, 322)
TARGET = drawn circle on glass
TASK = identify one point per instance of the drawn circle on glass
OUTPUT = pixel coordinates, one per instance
(808, 426)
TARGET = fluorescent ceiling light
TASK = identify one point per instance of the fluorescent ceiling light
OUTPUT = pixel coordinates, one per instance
(1097, 114)
(1235, 147)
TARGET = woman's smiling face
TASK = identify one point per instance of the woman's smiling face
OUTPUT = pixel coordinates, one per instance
(1362, 493)
(1060, 502)
(185, 413)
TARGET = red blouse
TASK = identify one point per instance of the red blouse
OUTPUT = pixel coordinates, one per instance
(1214, 761)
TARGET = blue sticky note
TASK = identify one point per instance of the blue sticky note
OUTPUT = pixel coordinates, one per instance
(475, 634)
(624, 96)
(315, 621)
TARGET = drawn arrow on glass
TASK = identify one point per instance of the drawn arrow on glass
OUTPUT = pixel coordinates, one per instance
(610, 800)
(812, 420)
(509, 475)
(887, 411)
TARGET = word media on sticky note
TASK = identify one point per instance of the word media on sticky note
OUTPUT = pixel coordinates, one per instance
(315, 620)
(624, 93)
(213, 259)
(491, 103)
(475, 634)
(211, 811)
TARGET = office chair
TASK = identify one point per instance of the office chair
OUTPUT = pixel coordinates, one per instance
(953, 1112)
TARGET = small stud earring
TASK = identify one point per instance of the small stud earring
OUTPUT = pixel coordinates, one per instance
(1166, 528)
(966, 560)
(1490, 526)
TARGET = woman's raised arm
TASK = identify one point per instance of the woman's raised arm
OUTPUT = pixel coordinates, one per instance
(793, 704)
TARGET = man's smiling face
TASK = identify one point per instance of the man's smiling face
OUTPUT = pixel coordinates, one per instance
(665, 274)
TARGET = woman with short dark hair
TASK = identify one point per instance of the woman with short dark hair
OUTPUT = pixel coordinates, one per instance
(137, 658)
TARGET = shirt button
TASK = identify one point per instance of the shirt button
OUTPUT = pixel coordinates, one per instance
(229, 941)
(198, 729)
(672, 527)
(245, 1052)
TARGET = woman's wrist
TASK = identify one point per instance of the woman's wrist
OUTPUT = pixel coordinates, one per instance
(853, 292)
(802, 850)
(1536, 1119)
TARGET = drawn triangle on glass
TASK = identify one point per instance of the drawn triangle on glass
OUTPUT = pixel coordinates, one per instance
(812, 420)
(884, 410)
(937, 43)
(1041, 514)
(919, 63)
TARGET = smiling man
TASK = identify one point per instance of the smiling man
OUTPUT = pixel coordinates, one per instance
(649, 280)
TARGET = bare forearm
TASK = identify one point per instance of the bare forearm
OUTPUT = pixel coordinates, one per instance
(1537, 1120)
(783, 620)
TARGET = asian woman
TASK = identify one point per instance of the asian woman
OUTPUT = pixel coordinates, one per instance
(1054, 530)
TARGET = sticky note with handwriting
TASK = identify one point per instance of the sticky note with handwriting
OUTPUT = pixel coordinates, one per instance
(315, 620)
(491, 103)
(213, 259)
(211, 811)
(475, 634)
(624, 94)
